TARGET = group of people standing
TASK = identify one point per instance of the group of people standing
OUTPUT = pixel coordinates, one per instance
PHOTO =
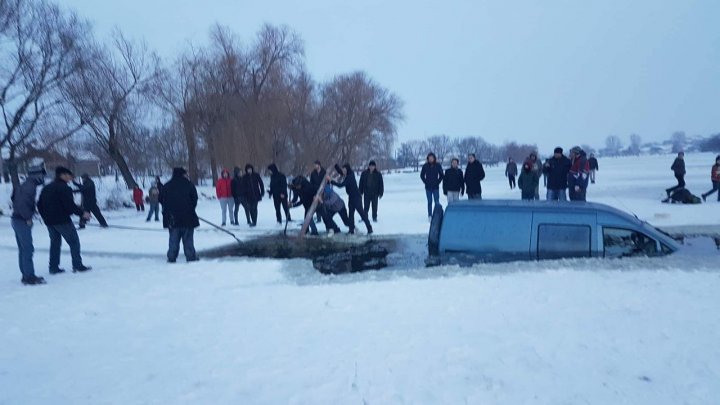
(565, 177)
(455, 183)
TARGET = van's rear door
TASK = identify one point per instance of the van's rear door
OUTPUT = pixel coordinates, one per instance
(563, 234)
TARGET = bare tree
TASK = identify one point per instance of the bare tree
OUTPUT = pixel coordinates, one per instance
(679, 140)
(440, 145)
(635, 142)
(111, 91)
(613, 145)
(357, 109)
(39, 51)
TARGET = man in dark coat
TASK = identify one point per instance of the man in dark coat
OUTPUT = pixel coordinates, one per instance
(303, 194)
(238, 196)
(89, 200)
(179, 199)
(253, 189)
(372, 188)
(56, 205)
(453, 182)
(678, 168)
(354, 201)
(474, 174)
(594, 167)
(278, 192)
(316, 178)
(579, 175)
(431, 175)
(556, 170)
(23, 201)
(511, 171)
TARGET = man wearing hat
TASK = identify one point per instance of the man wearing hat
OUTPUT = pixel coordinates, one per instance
(372, 188)
(579, 175)
(23, 200)
(678, 168)
(179, 199)
(556, 170)
(56, 206)
(89, 200)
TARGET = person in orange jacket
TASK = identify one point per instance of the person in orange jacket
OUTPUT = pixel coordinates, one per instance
(223, 190)
(138, 198)
(715, 177)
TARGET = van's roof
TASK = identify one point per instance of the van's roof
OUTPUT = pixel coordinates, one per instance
(544, 205)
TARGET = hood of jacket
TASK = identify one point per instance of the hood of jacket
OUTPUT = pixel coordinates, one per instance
(273, 168)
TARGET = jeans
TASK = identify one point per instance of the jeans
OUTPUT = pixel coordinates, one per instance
(95, 210)
(511, 180)
(330, 223)
(577, 195)
(140, 206)
(592, 175)
(556, 195)
(241, 202)
(355, 204)
(279, 201)
(432, 195)
(313, 228)
(23, 236)
(253, 209)
(186, 235)
(225, 205)
(453, 196)
(368, 202)
(67, 232)
(154, 208)
(680, 185)
(474, 196)
(716, 187)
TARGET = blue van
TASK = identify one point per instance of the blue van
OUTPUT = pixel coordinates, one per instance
(504, 230)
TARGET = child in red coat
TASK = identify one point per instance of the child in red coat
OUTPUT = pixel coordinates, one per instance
(138, 199)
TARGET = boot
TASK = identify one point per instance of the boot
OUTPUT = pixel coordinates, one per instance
(33, 280)
(81, 269)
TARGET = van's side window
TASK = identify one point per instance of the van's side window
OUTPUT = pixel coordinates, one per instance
(559, 241)
(619, 242)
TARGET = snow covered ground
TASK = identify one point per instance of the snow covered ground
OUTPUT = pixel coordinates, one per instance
(137, 330)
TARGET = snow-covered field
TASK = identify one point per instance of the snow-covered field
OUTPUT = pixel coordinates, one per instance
(137, 330)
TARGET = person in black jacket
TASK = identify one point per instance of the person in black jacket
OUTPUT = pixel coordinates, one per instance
(354, 201)
(432, 175)
(594, 167)
(511, 171)
(678, 168)
(556, 170)
(89, 200)
(453, 182)
(179, 199)
(316, 178)
(254, 190)
(238, 196)
(278, 192)
(303, 194)
(372, 188)
(56, 205)
(474, 174)
(23, 201)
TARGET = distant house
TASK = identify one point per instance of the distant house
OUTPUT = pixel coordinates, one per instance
(80, 163)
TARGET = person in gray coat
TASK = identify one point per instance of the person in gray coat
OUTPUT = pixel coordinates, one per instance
(24, 207)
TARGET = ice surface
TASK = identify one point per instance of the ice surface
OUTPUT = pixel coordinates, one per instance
(137, 330)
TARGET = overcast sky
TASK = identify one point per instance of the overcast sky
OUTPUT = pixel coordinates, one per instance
(545, 72)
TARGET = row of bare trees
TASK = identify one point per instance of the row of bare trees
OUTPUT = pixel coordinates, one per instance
(411, 153)
(218, 105)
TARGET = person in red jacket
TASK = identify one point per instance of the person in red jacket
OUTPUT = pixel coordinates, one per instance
(715, 177)
(223, 190)
(138, 198)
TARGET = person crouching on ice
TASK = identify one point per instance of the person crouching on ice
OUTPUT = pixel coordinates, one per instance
(330, 204)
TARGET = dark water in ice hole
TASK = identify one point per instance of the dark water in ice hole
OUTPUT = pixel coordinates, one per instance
(348, 254)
